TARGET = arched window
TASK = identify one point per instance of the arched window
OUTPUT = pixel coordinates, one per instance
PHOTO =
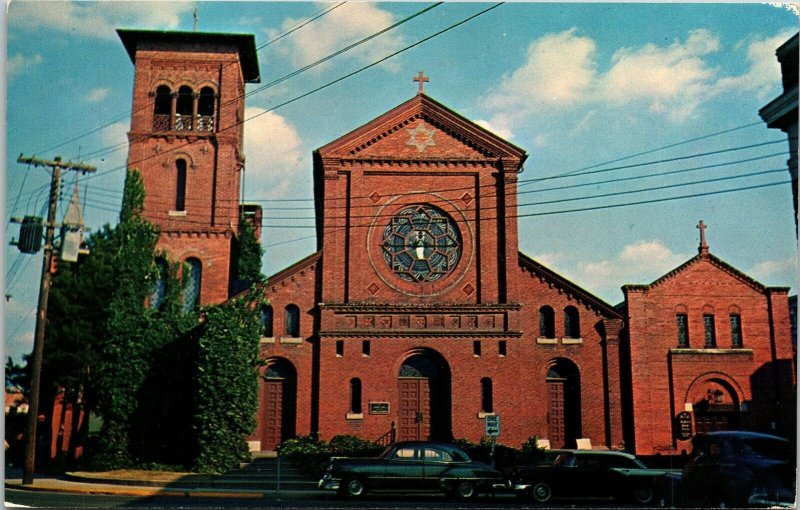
(355, 396)
(205, 109)
(184, 109)
(710, 330)
(572, 325)
(682, 321)
(547, 322)
(487, 397)
(180, 185)
(266, 321)
(736, 330)
(292, 321)
(159, 287)
(192, 277)
(163, 109)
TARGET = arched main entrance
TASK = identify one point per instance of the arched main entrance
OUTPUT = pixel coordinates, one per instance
(280, 403)
(715, 405)
(563, 404)
(424, 407)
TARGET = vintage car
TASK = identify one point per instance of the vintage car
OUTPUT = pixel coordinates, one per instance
(738, 468)
(594, 474)
(413, 467)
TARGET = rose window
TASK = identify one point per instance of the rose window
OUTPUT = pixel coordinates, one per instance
(421, 244)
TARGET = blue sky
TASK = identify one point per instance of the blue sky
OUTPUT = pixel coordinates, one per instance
(575, 85)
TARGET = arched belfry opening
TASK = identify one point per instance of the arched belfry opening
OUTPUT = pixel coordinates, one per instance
(563, 403)
(424, 407)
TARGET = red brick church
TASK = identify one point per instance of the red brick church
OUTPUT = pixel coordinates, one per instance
(418, 313)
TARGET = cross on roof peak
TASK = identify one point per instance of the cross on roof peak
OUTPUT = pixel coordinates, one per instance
(703, 244)
(421, 79)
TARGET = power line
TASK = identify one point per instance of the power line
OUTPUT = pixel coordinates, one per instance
(372, 218)
(351, 207)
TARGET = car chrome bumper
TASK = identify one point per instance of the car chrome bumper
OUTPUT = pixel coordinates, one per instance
(330, 484)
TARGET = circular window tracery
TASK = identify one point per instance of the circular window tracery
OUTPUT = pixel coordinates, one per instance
(421, 244)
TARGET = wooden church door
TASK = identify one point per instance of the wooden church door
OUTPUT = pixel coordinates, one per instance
(556, 427)
(415, 403)
(273, 414)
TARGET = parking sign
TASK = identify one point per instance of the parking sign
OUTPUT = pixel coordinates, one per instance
(492, 425)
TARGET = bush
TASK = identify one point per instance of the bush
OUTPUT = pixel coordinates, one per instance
(311, 456)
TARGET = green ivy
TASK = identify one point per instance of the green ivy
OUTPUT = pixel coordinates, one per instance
(227, 383)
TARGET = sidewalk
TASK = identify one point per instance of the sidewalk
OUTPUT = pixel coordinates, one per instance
(148, 483)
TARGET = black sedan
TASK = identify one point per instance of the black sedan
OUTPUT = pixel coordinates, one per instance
(592, 474)
(412, 467)
(738, 468)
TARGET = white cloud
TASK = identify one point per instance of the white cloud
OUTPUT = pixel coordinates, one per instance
(639, 262)
(98, 95)
(339, 28)
(776, 272)
(558, 72)
(499, 129)
(764, 72)
(673, 81)
(97, 19)
(19, 64)
(115, 138)
(273, 152)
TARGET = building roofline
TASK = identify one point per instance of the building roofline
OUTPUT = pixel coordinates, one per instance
(244, 42)
(584, 295)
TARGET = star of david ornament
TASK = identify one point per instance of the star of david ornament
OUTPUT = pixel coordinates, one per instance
(421, 137)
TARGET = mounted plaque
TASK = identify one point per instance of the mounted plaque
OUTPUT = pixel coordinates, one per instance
(683, 426)
(379, 408)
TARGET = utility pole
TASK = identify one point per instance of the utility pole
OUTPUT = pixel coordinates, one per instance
(44, 292)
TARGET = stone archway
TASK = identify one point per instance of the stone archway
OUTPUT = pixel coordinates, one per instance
(424, 407)
(715, 404)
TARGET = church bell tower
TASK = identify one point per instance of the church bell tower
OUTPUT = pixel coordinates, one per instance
(186, 140)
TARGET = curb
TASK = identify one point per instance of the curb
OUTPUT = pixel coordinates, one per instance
(132, 491)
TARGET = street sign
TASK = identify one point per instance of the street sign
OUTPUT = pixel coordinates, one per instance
(492, 425)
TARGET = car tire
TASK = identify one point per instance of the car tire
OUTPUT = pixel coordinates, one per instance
(354, 488)
(465, 490)
(541, 492)
(642, 494)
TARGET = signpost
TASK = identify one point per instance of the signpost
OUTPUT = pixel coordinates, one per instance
(492, 430)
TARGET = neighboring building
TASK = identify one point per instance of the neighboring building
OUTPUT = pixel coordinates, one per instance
(418, 316)
(781, 112)
(186, 140)
(711, 346)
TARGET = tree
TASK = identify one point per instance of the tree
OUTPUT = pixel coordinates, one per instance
(136, 339)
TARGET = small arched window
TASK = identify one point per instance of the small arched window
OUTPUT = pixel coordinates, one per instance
(266, 321)
(709, 329)
(487, 396)
(180, 185)
(547, 322)
(292, 321)
(355, 396)
(736, 330)
(205, 110)
(193, 278)
(682, 322)
(159, 287)
(184, 109)
(572, 325)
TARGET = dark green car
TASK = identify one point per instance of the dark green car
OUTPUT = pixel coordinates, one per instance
(413, 467)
